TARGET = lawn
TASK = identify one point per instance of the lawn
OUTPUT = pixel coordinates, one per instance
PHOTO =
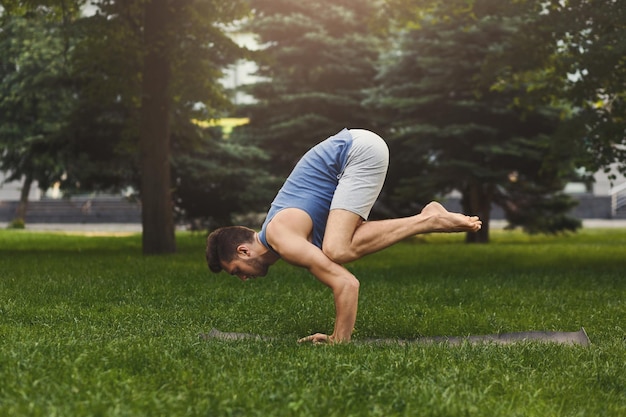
(91, 327)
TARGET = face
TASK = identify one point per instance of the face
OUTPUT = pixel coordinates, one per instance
(246, 268)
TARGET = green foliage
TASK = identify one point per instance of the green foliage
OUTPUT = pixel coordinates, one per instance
(450, 129)
(103, 58)
(96, 61)
(486, 89)
(103, 132)
(220, 179)
(108, 72)
(89, 326)
(527, 206)
(580, 60)
(35, 98)
(17, 224)
(317, 61)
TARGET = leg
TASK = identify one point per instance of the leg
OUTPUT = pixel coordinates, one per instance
(348, 238)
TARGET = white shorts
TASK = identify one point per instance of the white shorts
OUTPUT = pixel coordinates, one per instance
(364, 175)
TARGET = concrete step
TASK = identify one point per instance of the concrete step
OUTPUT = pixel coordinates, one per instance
(76, 211)
(620, 214)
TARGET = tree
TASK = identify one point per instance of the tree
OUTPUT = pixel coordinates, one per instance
(139, 69)
(317, 60)
(219, 180)
(450, 129)
(586, 58)
(144, 72)
(35, 96)
(157, 212)
(167, 28)
(573, 52)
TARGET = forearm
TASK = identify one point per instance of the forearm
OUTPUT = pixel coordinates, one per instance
(295, 249)
(346, 305)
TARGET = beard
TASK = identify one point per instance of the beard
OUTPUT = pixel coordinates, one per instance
(260, 268)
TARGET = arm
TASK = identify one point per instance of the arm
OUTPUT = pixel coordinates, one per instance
(287, 233)
(345, 289)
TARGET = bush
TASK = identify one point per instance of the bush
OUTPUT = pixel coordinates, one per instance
(17, 223)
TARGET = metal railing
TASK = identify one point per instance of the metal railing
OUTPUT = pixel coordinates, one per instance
(618, 199)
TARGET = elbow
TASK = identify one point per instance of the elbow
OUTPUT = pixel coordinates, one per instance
(352, 284)
(356, 283)
(348, 286)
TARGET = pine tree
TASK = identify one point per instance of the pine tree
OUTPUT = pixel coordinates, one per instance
(318, 59)
(451, 130)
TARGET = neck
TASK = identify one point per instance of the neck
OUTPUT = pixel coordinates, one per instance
(267, 253)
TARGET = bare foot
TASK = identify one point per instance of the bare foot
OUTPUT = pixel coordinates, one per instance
(445, 221)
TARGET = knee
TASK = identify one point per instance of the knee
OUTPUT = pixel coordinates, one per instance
(339, 254)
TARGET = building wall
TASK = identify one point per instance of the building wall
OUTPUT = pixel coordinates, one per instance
(10, 191)
(603, 185)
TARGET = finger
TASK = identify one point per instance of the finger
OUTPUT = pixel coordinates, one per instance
(314, 338)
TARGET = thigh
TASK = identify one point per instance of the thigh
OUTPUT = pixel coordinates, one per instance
(364, 174)
(340, 227)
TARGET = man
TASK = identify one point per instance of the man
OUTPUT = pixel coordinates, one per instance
(318, 221)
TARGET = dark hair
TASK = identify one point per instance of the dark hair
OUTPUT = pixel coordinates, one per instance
(221, 245)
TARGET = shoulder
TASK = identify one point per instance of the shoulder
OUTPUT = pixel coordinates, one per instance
(289, 223)
(289, 229)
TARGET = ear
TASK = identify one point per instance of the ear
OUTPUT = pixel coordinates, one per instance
(243, 250)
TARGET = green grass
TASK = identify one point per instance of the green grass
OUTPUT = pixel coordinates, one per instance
(90, 327)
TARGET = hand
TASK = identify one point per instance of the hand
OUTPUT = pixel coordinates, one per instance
(317, 338)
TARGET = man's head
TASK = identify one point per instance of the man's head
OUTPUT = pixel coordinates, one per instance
(235, 250)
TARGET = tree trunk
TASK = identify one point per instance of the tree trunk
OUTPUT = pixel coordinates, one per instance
(157, 207)
(476, 201)
(22, 206)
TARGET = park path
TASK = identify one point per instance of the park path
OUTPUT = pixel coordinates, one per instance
(129, 228)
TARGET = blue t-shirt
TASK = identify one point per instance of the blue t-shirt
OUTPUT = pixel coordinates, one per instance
(312, 183)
